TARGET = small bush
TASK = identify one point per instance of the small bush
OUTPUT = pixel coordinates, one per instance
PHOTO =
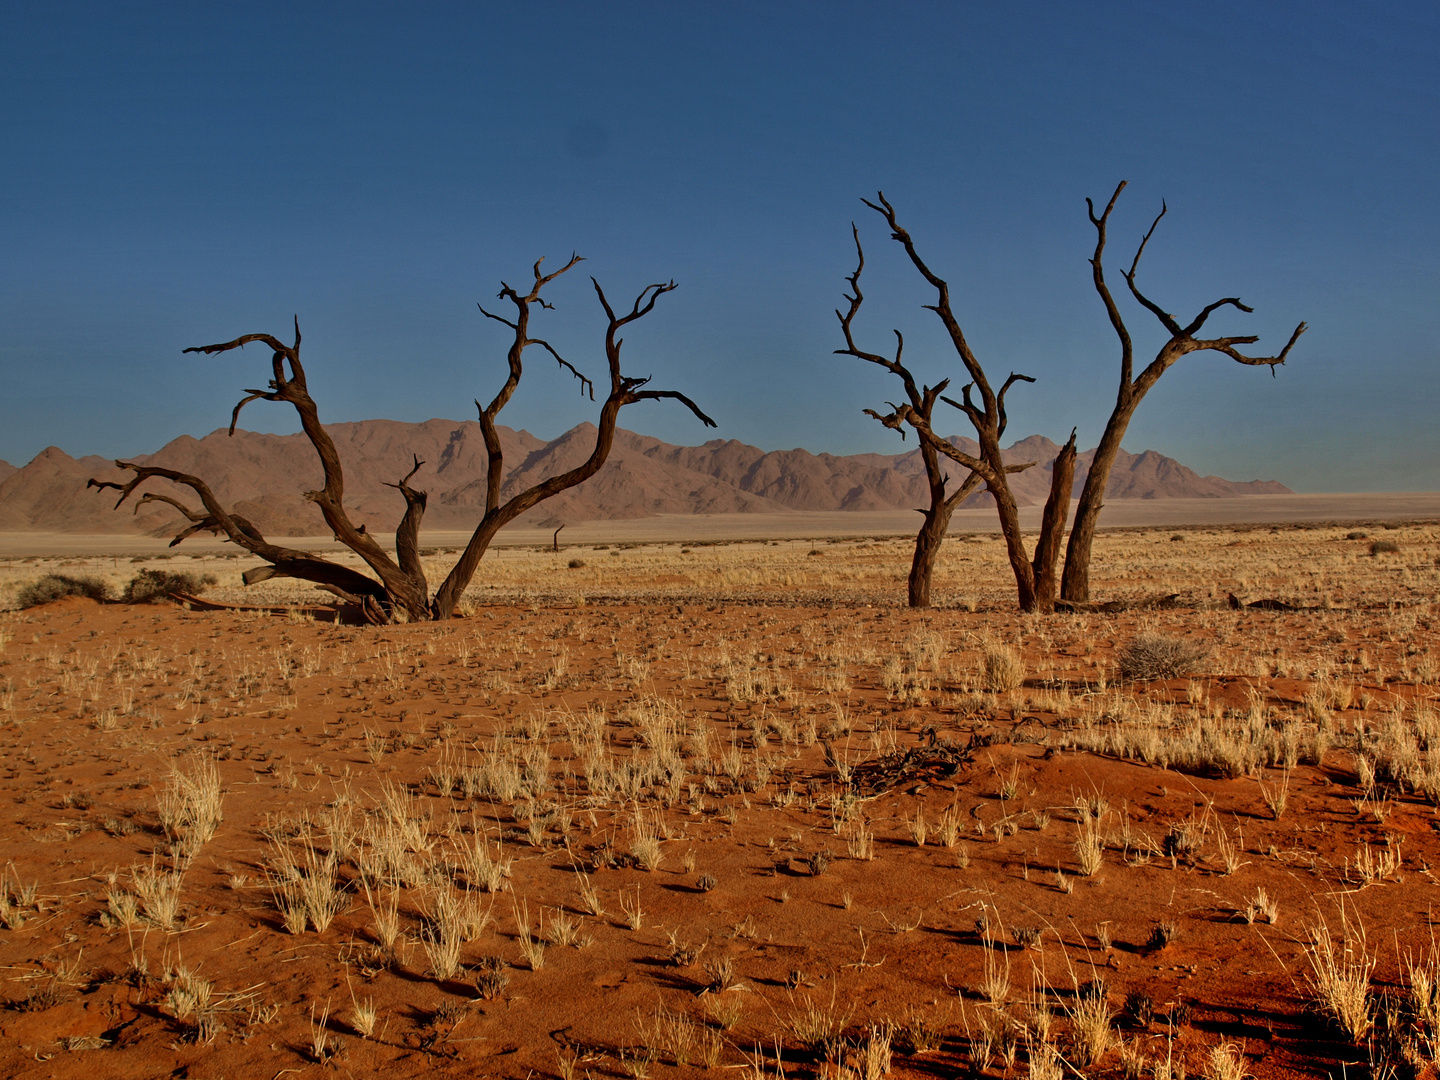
(1383, 547)
(55, 586)
(154, 586)
(1001, 667)
(1357, 534)
(1155, 656)
(1139, 1008)
(491, 977)
(1162, 934)
(575, 564)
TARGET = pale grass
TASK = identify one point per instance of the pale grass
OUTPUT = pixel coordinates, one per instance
(1001, 667)
(532, 948)
(816, 1023)
(1090, 1025)
(630, 906)
(363, 1017)
(1340, 975)
(1226, 1062)
(190, 806)
(1089, 846)
(159, 893)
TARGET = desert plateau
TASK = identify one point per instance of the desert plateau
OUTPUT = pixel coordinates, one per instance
(656, 809)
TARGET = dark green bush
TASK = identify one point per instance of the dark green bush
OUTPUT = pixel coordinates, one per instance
(1383, 547)
(153, 586)
(54, 586)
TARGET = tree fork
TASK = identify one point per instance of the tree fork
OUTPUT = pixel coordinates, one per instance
(1182, 341)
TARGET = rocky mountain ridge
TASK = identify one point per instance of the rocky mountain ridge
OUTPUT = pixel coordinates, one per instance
(263, 477)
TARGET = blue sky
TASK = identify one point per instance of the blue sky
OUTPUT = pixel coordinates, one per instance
(181, 174)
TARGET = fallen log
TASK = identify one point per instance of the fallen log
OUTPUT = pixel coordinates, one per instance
(1158, 602)
(322, 612)
(1268, 604)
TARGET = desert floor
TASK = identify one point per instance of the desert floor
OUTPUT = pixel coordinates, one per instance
(654, 809)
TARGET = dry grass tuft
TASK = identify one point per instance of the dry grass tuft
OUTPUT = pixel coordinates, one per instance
(1340, 976)
(1155, 656)
(1001, 668)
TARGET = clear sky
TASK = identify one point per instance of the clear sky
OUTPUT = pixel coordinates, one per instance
(178, 174)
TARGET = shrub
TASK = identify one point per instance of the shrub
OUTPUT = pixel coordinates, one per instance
(1001, 667)
(153, 586)
(54, 586)
(1357, 534)
(1155, 656)
(575, 564)
(1383, 547)
(1162, 934)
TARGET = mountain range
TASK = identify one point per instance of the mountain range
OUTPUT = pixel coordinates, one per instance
(262, 477)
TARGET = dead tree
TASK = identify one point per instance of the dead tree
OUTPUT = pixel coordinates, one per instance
(922, 401)
(398, 589)
(1133, 388)
(1035, 577)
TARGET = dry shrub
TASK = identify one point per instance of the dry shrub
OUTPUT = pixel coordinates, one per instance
(155, 586)
(1155, 656)
(1001, 667)
(57, 586)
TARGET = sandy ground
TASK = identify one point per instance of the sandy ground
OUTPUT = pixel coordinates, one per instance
(750, 806)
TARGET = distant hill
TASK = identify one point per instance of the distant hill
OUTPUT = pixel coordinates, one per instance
(263, 476)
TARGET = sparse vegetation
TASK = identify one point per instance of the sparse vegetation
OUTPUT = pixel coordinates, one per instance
(52, 587)
(552, 752)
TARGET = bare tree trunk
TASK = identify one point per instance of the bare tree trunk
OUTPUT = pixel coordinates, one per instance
(932, 531)
(1052, 526)
(1020, 563)
(927, 549)
(1133, 388)
(1076, 582)
(453, 587)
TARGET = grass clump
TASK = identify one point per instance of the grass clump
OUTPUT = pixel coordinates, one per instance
(1155, 656)
(1340, 976)
(1001, 668)
(53, 587)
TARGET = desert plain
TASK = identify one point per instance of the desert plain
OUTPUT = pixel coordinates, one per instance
(724, 806)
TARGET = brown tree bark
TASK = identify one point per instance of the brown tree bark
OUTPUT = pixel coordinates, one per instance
(399, 588)
(1133, 388)
(988, 418)
(1052, 526)
(922, 399)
